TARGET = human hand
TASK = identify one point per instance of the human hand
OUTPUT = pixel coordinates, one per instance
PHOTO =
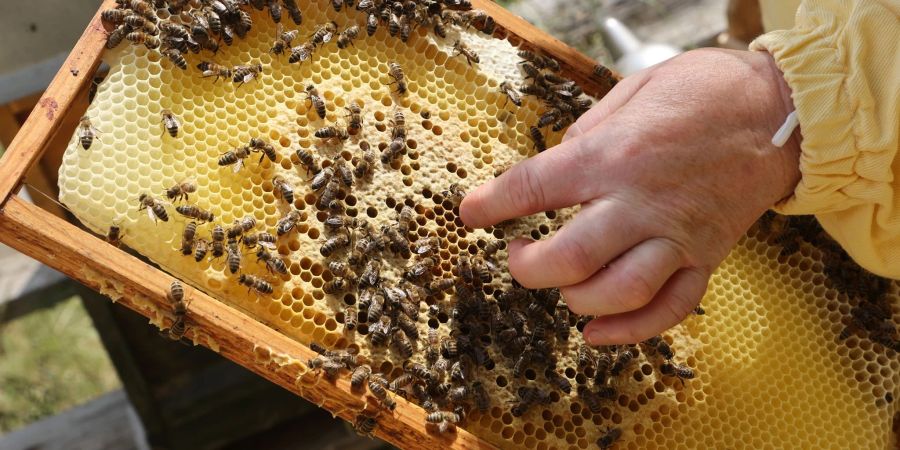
(670, 169)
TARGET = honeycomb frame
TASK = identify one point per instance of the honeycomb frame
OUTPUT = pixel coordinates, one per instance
(281, 360)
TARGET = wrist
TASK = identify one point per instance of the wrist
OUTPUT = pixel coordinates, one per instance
(785, 160)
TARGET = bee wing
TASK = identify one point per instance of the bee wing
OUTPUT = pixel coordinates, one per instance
(327, 37)
(150, 214)
(268, 245)
(238, 165)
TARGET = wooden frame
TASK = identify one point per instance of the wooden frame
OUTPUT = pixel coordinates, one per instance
(62, 245)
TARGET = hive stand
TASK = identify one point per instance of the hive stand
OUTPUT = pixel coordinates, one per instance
(57, 243)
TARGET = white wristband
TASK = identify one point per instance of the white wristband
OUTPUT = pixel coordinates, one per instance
(787, 128)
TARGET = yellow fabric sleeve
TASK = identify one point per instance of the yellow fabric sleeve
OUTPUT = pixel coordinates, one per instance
(842, 61)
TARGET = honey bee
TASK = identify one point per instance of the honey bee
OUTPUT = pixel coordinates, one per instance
(623, 358)
(343, 172)
(329, 194)
(540, 61)
(676, 370)
(359, 376)
(507, 89)
(699, 310)
(350, 319)
(396, 72)
(155, 208)
(187, 238)
(235, 157)
(86, 132)
(193, 212)
(393, 23)
(114, 16)
(402, 344)
(322, 178)
(267, 150)
(419, 269)
(138, 22)
(398, 125)
(375, 309)
(308, 161)
(658, 344)
(601, 71)
(288, 222)
(275, 11)
(405, 28)
(202, 249)
(364, 425)
(172, 29)
(337, 4)
(116, 36)
(301, 52)
(273, 263)
(399, 243)
(143, 8)
(256, 284)
(293, 10)
(283, 189)
(246, 73)
(529, 396)
(378, 388)
(346, 37)
(114, 235)
(170, 122)
(438, 286)
(462, 49)
(354, 124)
(140, 37)
(334, 243)
(234, 256)
(209, 69)
(181, 190)
(405, 218)
(393, 150)
(323, 34)
(560, 382)
(590, 399)
(317, 101)
(177, 58)
(444, 419)
(283, 40)
(179, 310)
(262, 238)
(334, 286)
(454, 193)
(371, 23)
(367, 163)
(332, 133)
(610, 436)
(538, 139)
(218, 241)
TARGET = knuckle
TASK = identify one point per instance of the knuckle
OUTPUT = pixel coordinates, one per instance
(635, 288)
(525, 191)
(577, 259)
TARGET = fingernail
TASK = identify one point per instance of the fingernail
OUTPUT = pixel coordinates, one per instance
(594, 337)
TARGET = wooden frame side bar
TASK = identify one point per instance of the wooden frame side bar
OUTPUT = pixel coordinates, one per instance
(576, 65)
(41, 126)
(234, 335)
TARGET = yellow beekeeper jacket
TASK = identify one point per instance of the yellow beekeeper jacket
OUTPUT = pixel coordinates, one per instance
(842, 61)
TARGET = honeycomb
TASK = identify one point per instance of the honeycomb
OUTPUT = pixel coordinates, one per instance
(771, 368)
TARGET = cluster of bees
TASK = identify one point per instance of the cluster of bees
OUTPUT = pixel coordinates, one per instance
(486, 325)
(872, 315)
(563, 98)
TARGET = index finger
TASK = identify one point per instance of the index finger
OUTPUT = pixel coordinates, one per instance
(553, 179)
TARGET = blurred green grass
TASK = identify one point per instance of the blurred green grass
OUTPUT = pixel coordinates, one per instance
(50, 360)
